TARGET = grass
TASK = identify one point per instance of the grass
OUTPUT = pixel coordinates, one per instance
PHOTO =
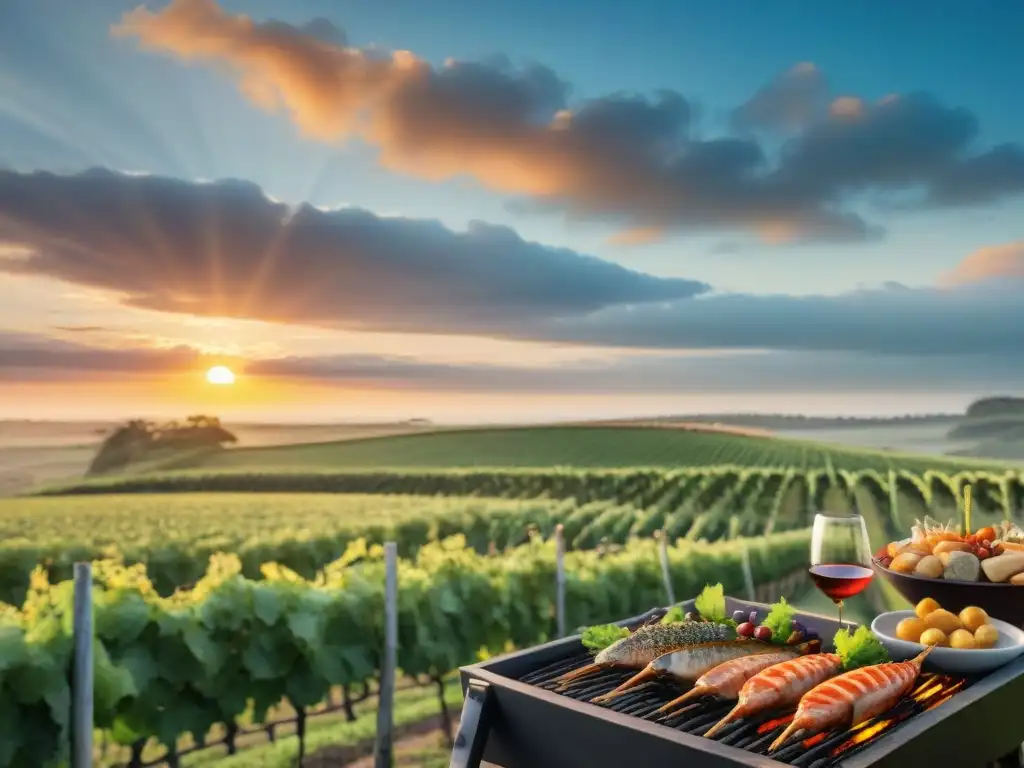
(333, 731)
(583, 446)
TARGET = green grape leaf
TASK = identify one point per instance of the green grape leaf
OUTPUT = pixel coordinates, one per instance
(448, 601)
(223, 609)
(58, 700)
(304, 687)
(329, 661)
(266, 605)
(265, 694)
(270, 655)
(10, 717)
(13, 652)
(258, 661)
(123, 733)
(121, 616)
(111, 684)
(209, 654)
(36, 680)
(305, 625)
(175, 661)
(138, 661)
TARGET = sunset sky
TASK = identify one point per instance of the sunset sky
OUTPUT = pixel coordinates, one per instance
(509, 211)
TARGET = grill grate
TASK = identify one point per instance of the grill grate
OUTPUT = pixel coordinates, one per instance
(751, 734)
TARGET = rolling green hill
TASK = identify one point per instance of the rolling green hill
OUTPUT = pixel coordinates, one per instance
(579, 446)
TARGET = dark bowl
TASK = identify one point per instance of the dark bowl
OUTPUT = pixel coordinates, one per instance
(1001, 601)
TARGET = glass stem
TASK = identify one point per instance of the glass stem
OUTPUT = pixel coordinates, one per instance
(839, 604)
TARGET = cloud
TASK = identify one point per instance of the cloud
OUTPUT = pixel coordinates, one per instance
(34, 358)
(25, 351)
(626, 159)
(985, 320)
(81, 328)
(788, 103)
(225, 249)
(997, 262)
(981, 179)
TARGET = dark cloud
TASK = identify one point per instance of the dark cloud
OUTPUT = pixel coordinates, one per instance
(80, 328)
(981, 179)
(984, 319)
(627, 159)
(901, 141)
(767, 372)
(225, 249)
(21, 352)
(789, 102)
(40, 358)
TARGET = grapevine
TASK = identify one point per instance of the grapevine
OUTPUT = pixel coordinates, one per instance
(166, 666)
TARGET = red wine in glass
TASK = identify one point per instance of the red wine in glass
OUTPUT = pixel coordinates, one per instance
(839, 582)
(840, 557)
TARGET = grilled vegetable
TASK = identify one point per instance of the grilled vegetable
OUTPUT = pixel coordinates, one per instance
(648, 643)
(781, 686)
(725, 680)
(689, 663)
(853, 697)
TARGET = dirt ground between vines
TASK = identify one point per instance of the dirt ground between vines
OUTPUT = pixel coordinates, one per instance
(412, 741)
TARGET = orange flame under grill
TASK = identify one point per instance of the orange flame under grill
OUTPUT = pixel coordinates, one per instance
(771, 725)
(814, 740)
(931, 694)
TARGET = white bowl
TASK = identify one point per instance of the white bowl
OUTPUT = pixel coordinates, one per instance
(958, 660)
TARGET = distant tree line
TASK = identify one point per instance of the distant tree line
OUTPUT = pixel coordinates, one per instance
(138, 440)
(996, 406)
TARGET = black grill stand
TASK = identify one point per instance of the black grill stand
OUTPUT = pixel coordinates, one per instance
(472, 734)
(476, 712)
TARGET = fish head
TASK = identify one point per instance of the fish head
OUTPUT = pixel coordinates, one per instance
(619, 652)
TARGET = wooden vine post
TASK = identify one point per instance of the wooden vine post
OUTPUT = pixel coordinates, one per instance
(560, 579)
(383, 756)
(666, 573)
(748, 576)
(82, 670)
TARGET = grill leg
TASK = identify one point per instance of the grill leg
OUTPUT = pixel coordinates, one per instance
(472, 735)
(1013, 760)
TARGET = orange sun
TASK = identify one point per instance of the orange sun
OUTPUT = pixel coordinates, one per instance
(220, 374)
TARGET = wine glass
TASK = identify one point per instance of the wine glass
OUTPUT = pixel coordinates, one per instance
(840, 557)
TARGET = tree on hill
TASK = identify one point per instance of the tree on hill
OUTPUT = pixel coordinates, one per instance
(137, 439)
(996, 406)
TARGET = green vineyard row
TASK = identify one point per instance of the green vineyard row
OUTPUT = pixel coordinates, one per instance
(167, 666)
(997, 491)
(175, 533)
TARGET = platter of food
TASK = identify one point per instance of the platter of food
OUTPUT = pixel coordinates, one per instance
(984, 568)
(967, 642)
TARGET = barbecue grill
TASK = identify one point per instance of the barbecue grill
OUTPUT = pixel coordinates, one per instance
(514, 718)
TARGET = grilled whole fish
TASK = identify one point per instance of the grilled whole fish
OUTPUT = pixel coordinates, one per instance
(853, 697)
(688, 664)
(780, 686)
(649, 642)
(726, 680)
